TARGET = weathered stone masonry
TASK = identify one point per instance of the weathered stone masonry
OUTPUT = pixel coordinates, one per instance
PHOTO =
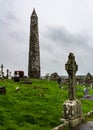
(34, 53)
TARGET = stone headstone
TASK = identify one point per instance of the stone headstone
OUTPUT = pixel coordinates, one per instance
(88, 80)
(71, 68)
(2, 73)
(54, 76)
(59, 80)
(85, 91)
(2, 90)
(72, 108)
(47, 76)
(7, 73)
(10, 77)
(17, 77)
(20, 73)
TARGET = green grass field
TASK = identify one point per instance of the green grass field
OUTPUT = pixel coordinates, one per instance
(35, 107)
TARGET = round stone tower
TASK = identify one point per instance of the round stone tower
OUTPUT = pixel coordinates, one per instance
(34, 52)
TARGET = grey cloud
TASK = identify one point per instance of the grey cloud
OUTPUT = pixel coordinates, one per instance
(55, 42)
(8, 20)
(10, 16)
(3, 23)
(58, 43)
(18, 36)
(60, 35)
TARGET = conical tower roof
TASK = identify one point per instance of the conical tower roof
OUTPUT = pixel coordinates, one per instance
(34, 13)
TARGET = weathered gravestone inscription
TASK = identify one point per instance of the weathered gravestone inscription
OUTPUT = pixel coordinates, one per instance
(72, 107)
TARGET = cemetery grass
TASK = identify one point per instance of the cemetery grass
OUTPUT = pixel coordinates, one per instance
(37, 106)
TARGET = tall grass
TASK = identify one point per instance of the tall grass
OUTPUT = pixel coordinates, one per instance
(37, 106)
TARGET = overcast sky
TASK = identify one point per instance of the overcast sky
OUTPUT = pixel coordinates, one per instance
(64, 26)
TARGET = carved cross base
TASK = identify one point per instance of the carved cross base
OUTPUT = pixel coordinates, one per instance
(72, 109)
